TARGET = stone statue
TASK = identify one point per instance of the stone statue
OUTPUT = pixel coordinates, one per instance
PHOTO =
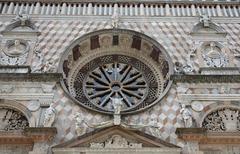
(187, 116)
(49, 117)
(48, 66)
(80, 125)
(16, 49)
(115, 19)
(183, 69)
(205, 19)
(39, 62)
(23, 18)
(117, 105)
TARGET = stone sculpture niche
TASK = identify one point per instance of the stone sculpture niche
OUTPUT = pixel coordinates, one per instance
(19, 39)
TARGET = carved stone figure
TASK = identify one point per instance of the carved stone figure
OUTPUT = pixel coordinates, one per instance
(48, 66)
(49, 117)
(39, 64)
(117, 105)
(80, 125)
(187, 116)
(205, 19)
(225, 119)
(115, 19)
(23, 18)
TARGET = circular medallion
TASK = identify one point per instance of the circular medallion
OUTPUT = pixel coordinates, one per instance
(197, 106)
(33, 105)
(214, 57)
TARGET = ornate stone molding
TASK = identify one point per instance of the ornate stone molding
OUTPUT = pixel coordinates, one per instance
(203, 137)
(116, 141)
(18, 41)
(205, 78)
(143, 8)
(28, 136)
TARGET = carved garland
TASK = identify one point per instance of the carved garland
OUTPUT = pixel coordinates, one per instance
(223, 120)
(12, 120)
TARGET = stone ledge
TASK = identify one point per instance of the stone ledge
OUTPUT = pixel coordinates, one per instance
(28, 135)
(202, 136)
(31, 77)
(205, 78)
(130, 1)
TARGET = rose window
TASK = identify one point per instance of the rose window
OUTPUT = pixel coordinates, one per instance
(116, 80)
(109, 67)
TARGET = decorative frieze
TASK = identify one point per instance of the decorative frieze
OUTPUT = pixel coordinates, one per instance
(125, 9)
(115, 141)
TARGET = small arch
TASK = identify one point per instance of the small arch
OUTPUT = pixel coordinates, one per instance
(214, 107)
(19, 107)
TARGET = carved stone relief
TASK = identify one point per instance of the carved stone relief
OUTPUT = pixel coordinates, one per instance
(115, 141)
(213, 56)
(12, 120)
(223, 120)
(49, 117)
(186, 116)
(18, 41)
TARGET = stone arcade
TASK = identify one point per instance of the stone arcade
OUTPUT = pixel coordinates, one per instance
(120, 76)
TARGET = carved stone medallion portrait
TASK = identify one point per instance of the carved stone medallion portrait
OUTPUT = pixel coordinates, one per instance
(213, 56)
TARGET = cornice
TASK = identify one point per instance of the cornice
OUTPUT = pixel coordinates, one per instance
(199, 2)
(205, 78)
(30, 77)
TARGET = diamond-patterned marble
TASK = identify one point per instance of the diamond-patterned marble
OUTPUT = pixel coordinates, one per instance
(56, 36)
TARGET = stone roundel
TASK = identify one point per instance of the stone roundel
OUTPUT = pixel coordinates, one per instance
(109, 64)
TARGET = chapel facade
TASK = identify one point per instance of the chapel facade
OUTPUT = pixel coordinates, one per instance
(120, 76)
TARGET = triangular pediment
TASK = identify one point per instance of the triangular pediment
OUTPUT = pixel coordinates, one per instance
(116, 137)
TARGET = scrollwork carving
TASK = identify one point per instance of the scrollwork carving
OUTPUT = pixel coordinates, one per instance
(12, 120)
(223, 120)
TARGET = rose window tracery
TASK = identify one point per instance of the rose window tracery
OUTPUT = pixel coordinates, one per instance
(104, 66)
(225, 119)
(116, 80)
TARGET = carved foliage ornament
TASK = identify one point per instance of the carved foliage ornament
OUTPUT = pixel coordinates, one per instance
(12, 120)
(222, 120)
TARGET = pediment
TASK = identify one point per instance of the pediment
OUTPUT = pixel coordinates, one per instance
(116, 137)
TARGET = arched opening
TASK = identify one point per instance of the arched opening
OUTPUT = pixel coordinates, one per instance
(115, 63)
